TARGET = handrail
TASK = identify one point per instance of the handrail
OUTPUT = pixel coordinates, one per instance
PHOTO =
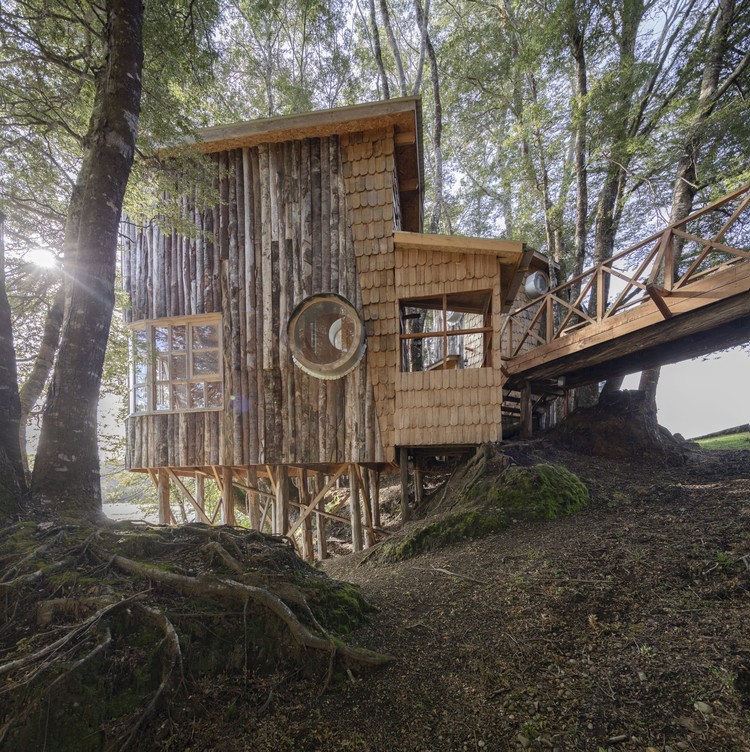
(584, 300)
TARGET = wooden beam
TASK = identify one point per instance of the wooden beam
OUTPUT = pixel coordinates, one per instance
(227, 497)
(364, 483)
(401, 113)
(281, 507)
(655, 293)
(404, 464)
(253, 501)
(321, 540)
(355, 509)
(526, 412)
(165, 511)
(506, 250)
(308, 552)
(320, 496)
(188, 496)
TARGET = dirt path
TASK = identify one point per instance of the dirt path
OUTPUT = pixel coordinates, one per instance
(623, 628)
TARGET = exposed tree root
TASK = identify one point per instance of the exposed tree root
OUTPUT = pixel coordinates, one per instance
(100, 626)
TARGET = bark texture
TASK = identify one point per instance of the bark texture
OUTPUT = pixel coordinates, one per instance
(66, 471)
(12, 481)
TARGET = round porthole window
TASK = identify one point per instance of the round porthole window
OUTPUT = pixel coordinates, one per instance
(326, 336)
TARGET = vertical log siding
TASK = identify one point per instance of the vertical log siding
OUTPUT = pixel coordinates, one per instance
(282, 230)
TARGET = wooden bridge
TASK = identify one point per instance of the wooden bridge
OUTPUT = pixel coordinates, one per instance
(680, 293)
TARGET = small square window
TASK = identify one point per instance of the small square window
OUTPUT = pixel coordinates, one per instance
(446, 331)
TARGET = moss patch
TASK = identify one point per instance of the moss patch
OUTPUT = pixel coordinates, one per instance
(541, 492)
(488, 504)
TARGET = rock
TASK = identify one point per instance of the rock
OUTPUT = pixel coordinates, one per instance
(703, 708)
(524, 741)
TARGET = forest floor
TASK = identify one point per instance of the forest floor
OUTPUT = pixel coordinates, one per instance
(624, 627)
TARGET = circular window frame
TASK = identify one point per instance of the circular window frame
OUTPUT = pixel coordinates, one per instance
(349, 360)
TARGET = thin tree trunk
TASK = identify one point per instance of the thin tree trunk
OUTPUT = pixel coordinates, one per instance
(394, 46)
(32, 388)
(686, 175)
(582, 197)
(12, 479)
(437, 140)
(66, 472)
(378, 52)
(422, 19)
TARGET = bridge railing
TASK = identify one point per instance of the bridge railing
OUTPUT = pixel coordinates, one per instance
(652, 269)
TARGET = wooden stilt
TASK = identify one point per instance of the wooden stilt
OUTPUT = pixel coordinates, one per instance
(418, 486)
(404, 463)
(355, 508)
(187, 496)
(200, 491)
(227, 497)
(281, 510)
(308, 550)
(165, 512)
(526, 415)
(367, 506)
(253, 499)
(375, 496)
(321, 540)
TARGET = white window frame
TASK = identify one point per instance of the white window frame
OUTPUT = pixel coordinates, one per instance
(151, 383)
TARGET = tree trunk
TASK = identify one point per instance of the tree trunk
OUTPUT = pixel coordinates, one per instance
(12, 479)
(686, 175)
(66, 471)
(394, 46)
(378, 52)
(45, 358)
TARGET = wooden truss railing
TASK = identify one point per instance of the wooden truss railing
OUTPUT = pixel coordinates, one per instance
(653, 269)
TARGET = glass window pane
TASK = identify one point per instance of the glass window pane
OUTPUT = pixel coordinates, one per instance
(162, 368)
(140, 338)
(214, 394)
(205, 363)
(179, 367)
(140, 371)
(161, 338)
(197, 397)
(140, 399)
(205, 335)
(178, 338)
(162, 397)
(179, 396)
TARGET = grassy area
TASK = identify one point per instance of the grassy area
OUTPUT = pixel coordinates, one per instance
(731, 441)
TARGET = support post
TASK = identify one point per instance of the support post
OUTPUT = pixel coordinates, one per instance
(355, 508)
(308, 551)
(404, 463)
(200, 491)
(227, 497)
(165, 512)
(526, 414)
(281, 510)
(375, 496)
(418, 485)
(253, 499)
(320, 520)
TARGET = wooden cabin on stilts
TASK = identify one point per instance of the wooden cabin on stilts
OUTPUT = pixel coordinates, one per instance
(296, 328)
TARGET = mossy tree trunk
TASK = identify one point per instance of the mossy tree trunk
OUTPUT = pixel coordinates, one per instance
(66, 471)
(12, 480)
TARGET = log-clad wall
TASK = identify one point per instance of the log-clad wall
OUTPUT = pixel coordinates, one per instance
(280, 232)
(368, 164)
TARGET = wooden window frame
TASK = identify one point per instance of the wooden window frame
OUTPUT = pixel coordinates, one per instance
(151, 384)
(486, 330)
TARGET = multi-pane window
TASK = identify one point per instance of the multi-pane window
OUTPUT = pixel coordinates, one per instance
(176, 365)
(446, 331)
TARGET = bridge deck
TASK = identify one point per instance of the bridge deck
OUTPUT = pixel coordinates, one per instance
(706, 316)
(680, 293)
